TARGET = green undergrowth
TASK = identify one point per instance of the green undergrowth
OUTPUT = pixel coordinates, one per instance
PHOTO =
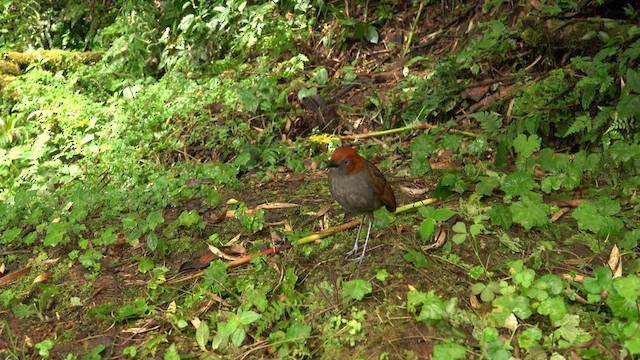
(115, 174)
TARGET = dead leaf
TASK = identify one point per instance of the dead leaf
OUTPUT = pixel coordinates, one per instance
(572, 203)
(218, 218)
(41, 278)
(275, 206)
(275, 237)
(440, 239)
(559, 214)
(287, 226)
(14, 276)
(195, 322)
(219, 253)
(238, 249)
(232, 241)
(323, 210)
(68, 206)
(615, 262)
(413, 191)
(475, 303)
(411, 287)
(577, 277)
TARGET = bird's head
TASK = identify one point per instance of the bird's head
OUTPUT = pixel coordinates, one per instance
(347, 160)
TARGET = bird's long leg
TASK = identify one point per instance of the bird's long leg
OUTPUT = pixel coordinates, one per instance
(364, 248)
(355, 245)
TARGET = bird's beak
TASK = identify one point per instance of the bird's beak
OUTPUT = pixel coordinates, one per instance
(332, 164)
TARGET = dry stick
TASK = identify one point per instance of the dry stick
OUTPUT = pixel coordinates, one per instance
(418, 126)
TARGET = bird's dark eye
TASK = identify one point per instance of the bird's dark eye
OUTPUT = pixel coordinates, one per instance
(345, 161)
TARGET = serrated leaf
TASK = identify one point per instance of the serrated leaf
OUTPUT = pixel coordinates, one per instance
(518, 183)
(355, 289)
(530, 213)
(568, 328)
(416, 258)
(526, 146)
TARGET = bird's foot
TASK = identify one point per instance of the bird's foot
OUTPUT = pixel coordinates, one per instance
(358, 259)
(348, 254)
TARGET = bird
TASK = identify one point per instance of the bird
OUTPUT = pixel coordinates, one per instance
(360, 187)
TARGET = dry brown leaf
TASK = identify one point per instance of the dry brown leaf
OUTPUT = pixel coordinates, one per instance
(536, 4)
(41, 278)
(275, 237)
(68, 206)
(195, 322)
(411, 287)
(139, 330)
(475, 303)
(413, 191)
(51, 261)
(219, 253)
(238, 249)
(232, 241)
(287, 226)
(573, 203)
(559, 214)
(171, 309)
(14, 276)
(440, 239)
(3, 268)
(323, 210)
(615, 262)
(275, 206)
(577, 277)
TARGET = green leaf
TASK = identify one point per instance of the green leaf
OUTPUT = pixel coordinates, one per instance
(238, 337)
(460, 228)
(568, 328)
(518, 183)
(506, 305)
(355, 289)
(598, 217)
(44, 347)
(202, 335)
(321, 76)
(633, 80)
(431, 306)
(623, 297)
(56, 232)
(500, 216)
(248, 317)
(372, 35)
(297, 331)
(154, 219)
(601, 281)
(526, 146)
(486, 185)
(529, 337)
(443, 214)
(530, 212)
(416, 258)
(382, 275)
(553, 307)
(426, 229)
(449, 351)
